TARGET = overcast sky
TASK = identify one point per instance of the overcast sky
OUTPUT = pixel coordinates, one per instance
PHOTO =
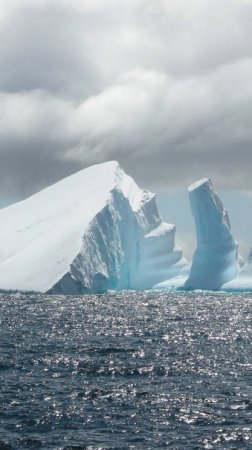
(163, 86)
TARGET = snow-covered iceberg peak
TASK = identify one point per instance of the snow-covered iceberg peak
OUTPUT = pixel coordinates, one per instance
(90, 232)
(215, 260)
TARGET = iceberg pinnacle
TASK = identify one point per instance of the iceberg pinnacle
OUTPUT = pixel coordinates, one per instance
(215, 260)
(93, 231)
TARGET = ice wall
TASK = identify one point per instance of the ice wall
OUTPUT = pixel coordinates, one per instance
(215, 260)
(127, 245)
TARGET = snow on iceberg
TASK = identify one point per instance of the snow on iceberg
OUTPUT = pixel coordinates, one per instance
(93, 231)
(215, 260)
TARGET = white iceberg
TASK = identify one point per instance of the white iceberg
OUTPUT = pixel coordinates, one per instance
(93, 231)
(215, 260)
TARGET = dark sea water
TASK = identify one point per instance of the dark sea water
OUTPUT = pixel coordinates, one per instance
(126, 371)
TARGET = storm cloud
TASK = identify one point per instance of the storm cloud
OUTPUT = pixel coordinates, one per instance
(162, 86)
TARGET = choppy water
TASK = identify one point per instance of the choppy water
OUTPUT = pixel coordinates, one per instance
(126, 371)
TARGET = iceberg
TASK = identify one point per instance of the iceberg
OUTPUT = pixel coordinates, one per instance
(215, 260)
(91, 232)
(178, 281)
(243, 282)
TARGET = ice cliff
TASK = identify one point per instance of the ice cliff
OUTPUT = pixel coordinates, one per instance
(93, 231)
(215, 260)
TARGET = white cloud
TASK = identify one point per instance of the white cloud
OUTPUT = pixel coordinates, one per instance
(164, 86)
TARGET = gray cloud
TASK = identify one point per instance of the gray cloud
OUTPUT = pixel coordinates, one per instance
(163, 87)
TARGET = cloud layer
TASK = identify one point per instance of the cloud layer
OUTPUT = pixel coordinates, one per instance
(164, 87)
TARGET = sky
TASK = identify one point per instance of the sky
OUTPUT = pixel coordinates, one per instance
(162, 86)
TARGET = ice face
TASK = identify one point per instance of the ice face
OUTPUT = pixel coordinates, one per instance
(93, 231)
(215, 260)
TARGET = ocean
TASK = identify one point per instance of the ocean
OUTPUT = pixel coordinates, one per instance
(129, 370)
